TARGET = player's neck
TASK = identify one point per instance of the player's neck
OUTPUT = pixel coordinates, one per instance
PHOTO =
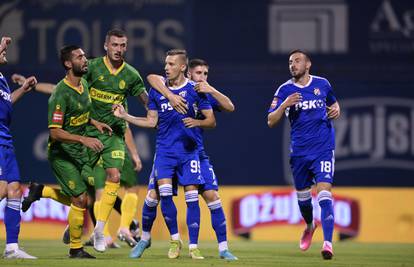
(177, 81)
(114, 65)
(73, 80)
(303, 80)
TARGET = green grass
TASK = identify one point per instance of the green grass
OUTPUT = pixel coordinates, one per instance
(53, 253)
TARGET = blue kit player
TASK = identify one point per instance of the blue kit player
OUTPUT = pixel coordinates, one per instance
(9, 171)
(176, 149)
(309, 103)
(198, 72)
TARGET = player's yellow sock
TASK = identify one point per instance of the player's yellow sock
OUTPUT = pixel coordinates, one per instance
(96, 212)
(107, 201)
(128, 209)
(75, 220)
(55, 194)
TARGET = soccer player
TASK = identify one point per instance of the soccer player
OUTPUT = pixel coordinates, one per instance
(68, 115)
(309, 103)
(198, 72)
(176, 148)
(9, 171)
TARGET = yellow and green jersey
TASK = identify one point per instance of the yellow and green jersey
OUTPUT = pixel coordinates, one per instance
(107, 88)
(69, 108)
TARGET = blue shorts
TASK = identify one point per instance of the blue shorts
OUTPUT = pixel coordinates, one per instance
(311, 169)
(153, 186)
(186, 167)
(9, 170)
(209, 176)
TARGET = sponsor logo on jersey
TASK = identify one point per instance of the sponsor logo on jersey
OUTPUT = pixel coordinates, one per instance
(106, 97)
(57, 116)
(122, 84)
(317, 91)
(80, 120)
(6, 96)
(118, 154)
(310, 104)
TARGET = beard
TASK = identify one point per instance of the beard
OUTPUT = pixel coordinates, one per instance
(78, 71)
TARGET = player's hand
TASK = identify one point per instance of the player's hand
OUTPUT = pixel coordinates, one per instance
(292, 100)
(119, 111)
(5, 41)
(18, 78)
(334, 111)
(191, 123)
(203, 87)
(29, 83)
(92, 143)
(102, 127)
(137, 163)
(178, 103)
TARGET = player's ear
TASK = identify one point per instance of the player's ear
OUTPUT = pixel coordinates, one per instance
(308, 65)
(68, 64)
(105, 47)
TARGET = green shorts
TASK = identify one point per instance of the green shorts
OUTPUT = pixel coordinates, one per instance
(68, 175)
(113, 154)
(128, 174)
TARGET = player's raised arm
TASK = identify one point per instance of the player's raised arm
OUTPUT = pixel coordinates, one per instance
(177, 102)
(45, 88)
(274, 117)
(223, 101)
(27, 86)
(146, 122)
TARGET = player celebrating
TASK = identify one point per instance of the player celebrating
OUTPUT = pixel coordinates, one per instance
(176, 148)
(198, 72)
(310, 104)
(9, 171)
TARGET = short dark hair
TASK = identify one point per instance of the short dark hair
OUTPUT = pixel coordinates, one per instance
(178, 52)
(306, 54)
(115, 32)
(195, 62)
(66, 53)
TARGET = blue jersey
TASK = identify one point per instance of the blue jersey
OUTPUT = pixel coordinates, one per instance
(172, 135)
(5, 113)
(311, 130)
(200, 131)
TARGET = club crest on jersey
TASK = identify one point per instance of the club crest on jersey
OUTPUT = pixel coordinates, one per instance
(122, 84)
(317, 91)
(183, 93)
(274, 103)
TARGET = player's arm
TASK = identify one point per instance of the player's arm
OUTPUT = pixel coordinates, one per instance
(143, 98)
(4, 43)
(334, 111)
(208, 122)
(177, 102)
(45, 88)
(224, 102)
(275, 116)
(102, 127)
(150, 121)
(27, 86)
(132, 148)
(60, 135)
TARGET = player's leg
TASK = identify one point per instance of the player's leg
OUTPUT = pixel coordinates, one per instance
(37, 191)
(113, 159)
(69, 178)
(211, 197)
(324, 169)
(10, 179)
(303, 181)
(129, 202)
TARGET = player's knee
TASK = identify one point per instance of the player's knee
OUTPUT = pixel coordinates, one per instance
(3, 189)
(113, 175)
(14, 190)
(151, 202)
(80, 201)
(153, 194)
(210, 196)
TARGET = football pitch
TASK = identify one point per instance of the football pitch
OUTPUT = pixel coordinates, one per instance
(250, 253)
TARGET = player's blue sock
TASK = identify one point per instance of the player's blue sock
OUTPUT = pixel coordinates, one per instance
(193, 216)
(218, 220)
(327, 215)
(149, 213)
(169, 211)
(12, 220)
(305, 205)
